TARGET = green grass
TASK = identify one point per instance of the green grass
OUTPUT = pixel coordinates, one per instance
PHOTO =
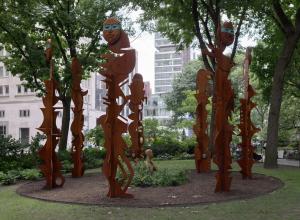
(283, 204)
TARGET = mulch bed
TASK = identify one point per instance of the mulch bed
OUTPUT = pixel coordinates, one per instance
(92, 188)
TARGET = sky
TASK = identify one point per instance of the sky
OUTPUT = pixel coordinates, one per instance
(144, 45)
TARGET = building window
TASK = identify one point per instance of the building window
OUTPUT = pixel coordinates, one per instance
(1, 71)
(25, 113)
(24, 135)
(3, 130)
(19, 89)
(4, 90)
(25, 90)
(2, 113)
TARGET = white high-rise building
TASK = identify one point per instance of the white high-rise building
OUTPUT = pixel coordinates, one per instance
(168, 63)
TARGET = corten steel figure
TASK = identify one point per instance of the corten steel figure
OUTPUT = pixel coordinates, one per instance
(116, 70)
(135, 128)
(202, 154)
(224, 104)
(77, 124)
(149, 163)
(246, 127)
(51, 167)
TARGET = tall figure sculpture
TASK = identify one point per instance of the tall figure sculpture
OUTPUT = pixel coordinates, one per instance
(77, 124)
(51, 166)
(224, 104)
(120, 62)
(202, 154)
(246, 127)
(135, 128)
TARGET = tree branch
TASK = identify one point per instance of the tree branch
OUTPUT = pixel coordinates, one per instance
(238, 32)
(282, 18)
(22, 52)
(199, 35)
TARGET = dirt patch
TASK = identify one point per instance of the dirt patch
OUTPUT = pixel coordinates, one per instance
(91, 189)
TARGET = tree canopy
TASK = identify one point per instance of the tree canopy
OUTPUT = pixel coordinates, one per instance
(74, 27)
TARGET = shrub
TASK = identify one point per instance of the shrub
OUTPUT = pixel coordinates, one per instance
(189, 144)
(9, 179)
(30, 174)
(166, 146)
(162, 177)
(93, 157)
(184, 156)
(17, 155)
(67, 166)
(164, 157)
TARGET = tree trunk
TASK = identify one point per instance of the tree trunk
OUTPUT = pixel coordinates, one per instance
(65, 123)
(276, 98)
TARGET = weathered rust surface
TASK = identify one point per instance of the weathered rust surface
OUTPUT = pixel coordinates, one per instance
(51, 166)
(77, 124)
(246, 127)
(224, 105)
(119, 63)
(202, 154)
(135, 128)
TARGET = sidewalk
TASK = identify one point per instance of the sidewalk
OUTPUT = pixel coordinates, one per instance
(286, 162)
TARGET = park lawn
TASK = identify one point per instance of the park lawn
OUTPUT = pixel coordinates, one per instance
(283, 204)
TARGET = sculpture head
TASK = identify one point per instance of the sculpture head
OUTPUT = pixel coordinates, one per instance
(226, 33)
(149, 154)
(112, 30)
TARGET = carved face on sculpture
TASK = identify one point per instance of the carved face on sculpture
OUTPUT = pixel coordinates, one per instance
(112, 30)
(227, 33)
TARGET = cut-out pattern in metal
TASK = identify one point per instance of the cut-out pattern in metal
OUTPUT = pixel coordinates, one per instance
(135, 128)
(77, 124)
(51, 166)
(119, 63)
(202, 154)
(246, 127)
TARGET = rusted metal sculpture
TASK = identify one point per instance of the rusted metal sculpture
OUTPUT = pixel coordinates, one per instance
(149, 162)
(116, 70)
(202, 154)
(135, 128)
(224, 104)
(51, 166)
(246, 127)
(77, 124)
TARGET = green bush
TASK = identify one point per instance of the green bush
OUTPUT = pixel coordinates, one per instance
(9, 178)
(30, 174)
(184, 156)
(166, 146)
(93, 157)
(13, 175)
(189, 144)
(16, 155)
(162, 177)
(67, 166)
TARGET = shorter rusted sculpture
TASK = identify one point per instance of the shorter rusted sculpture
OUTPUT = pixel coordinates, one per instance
(149, 163)
(246, 127)
(223, 104)
(202, 154)
(51, 166)
(135, 128)
(120, 62)
(77, 124)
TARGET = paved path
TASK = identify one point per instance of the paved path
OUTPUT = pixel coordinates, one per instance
(294, 163)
